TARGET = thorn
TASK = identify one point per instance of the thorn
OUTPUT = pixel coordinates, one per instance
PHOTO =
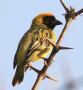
(50, 42)
(54, 46)
(50, 78)
(36, 70)
(64, 48)
(71, 7)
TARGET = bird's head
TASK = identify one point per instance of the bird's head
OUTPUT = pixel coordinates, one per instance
(47, 19)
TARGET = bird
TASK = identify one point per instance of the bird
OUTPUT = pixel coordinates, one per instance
(34, 45)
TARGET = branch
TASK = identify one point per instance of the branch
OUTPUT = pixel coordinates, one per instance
(65, 7)
(69, 16)
(79, 12)
(63, 31)
(38, 81)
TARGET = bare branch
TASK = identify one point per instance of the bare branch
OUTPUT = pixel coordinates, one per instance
(64, 30)
(65, 7)
(69, 16)
(38, 81)
(79, 12)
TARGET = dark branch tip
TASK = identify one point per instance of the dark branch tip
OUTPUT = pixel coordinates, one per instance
(64, 48)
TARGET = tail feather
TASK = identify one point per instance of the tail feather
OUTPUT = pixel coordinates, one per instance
(19, 75)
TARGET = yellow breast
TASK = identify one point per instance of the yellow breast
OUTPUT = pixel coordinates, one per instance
(45, 47)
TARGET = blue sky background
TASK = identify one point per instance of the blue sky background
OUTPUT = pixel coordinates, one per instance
(15, 19)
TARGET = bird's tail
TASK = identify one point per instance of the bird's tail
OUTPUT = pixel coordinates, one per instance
(19, 75)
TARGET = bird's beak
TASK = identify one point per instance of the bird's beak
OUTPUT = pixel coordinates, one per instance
(58, 22)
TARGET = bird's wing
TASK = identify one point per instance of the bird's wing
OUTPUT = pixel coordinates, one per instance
(27, 45)
(22, 47)
(35, 43)
(31, 41)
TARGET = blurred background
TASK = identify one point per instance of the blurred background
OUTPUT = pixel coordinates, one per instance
(15, 18)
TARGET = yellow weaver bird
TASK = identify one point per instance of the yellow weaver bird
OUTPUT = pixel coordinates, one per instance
(34, 44)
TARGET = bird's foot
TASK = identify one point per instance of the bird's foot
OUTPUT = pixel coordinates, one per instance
(46, 61)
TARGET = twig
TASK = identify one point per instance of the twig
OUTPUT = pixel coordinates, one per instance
(79, 12)
(69, 16)
(65, 7)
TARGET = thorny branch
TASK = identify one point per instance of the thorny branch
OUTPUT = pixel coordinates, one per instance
(70, 15)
